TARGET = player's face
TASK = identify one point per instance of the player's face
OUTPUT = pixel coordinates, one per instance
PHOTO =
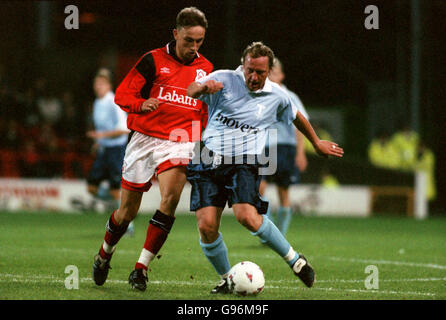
(189, 40)
(276, 74)
(101, 86)
(256, 71)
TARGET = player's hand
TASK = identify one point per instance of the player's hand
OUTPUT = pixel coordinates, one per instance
(212, 86)
(95, 134)
(301, 162)
(149, 105)
(327, 148)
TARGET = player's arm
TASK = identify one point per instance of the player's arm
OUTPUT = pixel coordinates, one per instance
(106, 134)
(119, 130)
(137, 82)
(196, 89)
(301, 157)
(323, 147)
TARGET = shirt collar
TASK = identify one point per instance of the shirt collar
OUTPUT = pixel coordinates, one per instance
(267, 87)
(107, 96)
(170, 47)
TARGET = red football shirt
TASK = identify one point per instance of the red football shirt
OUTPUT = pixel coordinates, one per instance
(162, 75)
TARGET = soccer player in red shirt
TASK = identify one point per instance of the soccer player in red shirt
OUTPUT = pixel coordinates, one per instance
(165, 125)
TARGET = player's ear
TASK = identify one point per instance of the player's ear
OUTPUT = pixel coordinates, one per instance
(175, 34)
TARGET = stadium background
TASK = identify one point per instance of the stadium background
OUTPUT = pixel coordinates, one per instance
(332, 61)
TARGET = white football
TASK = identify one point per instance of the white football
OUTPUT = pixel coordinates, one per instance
(246, 278)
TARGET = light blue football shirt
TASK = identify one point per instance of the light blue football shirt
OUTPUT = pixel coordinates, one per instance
(239, 118)
(108, 116)
(286, 134)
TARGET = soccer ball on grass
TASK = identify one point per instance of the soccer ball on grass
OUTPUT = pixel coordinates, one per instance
(246, 278)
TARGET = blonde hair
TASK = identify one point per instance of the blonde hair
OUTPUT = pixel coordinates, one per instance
(258, 49)
(105, 74)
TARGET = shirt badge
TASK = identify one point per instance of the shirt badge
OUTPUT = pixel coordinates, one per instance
(200, 74)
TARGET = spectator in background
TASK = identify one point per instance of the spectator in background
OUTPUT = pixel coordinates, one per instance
(110, 136)
(328, 180)
(12, 135)
(29, 162)
(49, 149)
(49, 106)
(31, 111)
(425, 162)
(405, 143)
(8, 103)
(71, 126)
(382, 152)
(291, 158)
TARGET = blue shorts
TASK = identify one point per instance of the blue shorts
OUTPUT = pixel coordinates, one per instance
(226, 183)
(107, 166)
(287, 173)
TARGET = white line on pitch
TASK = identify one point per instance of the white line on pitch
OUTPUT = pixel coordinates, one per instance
(53, 279)
(271, 256)
(397, 263)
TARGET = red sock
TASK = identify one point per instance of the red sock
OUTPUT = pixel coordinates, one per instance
(157, 232)
(113, 233)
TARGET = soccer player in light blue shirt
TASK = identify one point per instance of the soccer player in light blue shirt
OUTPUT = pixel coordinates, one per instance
(291, 158)
(242, 105)
(110, 135)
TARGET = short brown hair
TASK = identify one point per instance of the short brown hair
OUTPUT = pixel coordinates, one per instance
(258, 49)
(105, 74)
(190, 17)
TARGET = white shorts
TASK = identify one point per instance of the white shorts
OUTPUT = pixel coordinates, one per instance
(146, 156)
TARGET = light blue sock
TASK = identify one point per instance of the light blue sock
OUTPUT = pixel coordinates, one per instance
(103, 193)
(217, 254)
(274, 239)
(283, 219)
(269, 214)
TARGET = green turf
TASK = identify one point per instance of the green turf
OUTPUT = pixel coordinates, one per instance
(35, 249)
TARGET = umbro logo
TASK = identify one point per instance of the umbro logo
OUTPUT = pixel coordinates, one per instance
(164, 70)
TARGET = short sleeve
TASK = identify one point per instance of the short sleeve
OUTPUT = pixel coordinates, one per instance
(210, 99)
(287, 111)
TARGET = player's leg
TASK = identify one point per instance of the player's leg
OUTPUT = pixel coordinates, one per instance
(116, 227)
(266, 230)
(247, 204)
(262, 189)
(116, 195)
(287, 174)
(284, 213)
(212, 244)
(208, 198)
(96, 175)
(171, 183)
(135, 180)
(115, 161)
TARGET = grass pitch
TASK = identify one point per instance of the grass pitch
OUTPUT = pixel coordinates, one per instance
(409, 255)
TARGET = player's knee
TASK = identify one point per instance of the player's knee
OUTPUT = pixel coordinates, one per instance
(208, 229)
(126, 213)
(169, 202)
(249, 220)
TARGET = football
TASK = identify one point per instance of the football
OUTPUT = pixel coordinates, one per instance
(246, 278)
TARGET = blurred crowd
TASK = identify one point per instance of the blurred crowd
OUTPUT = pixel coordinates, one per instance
(42, 131)
(404, 150)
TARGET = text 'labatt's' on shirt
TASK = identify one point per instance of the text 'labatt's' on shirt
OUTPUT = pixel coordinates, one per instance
(162, 75)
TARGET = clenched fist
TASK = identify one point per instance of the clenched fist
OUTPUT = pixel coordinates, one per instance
(149, 105)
